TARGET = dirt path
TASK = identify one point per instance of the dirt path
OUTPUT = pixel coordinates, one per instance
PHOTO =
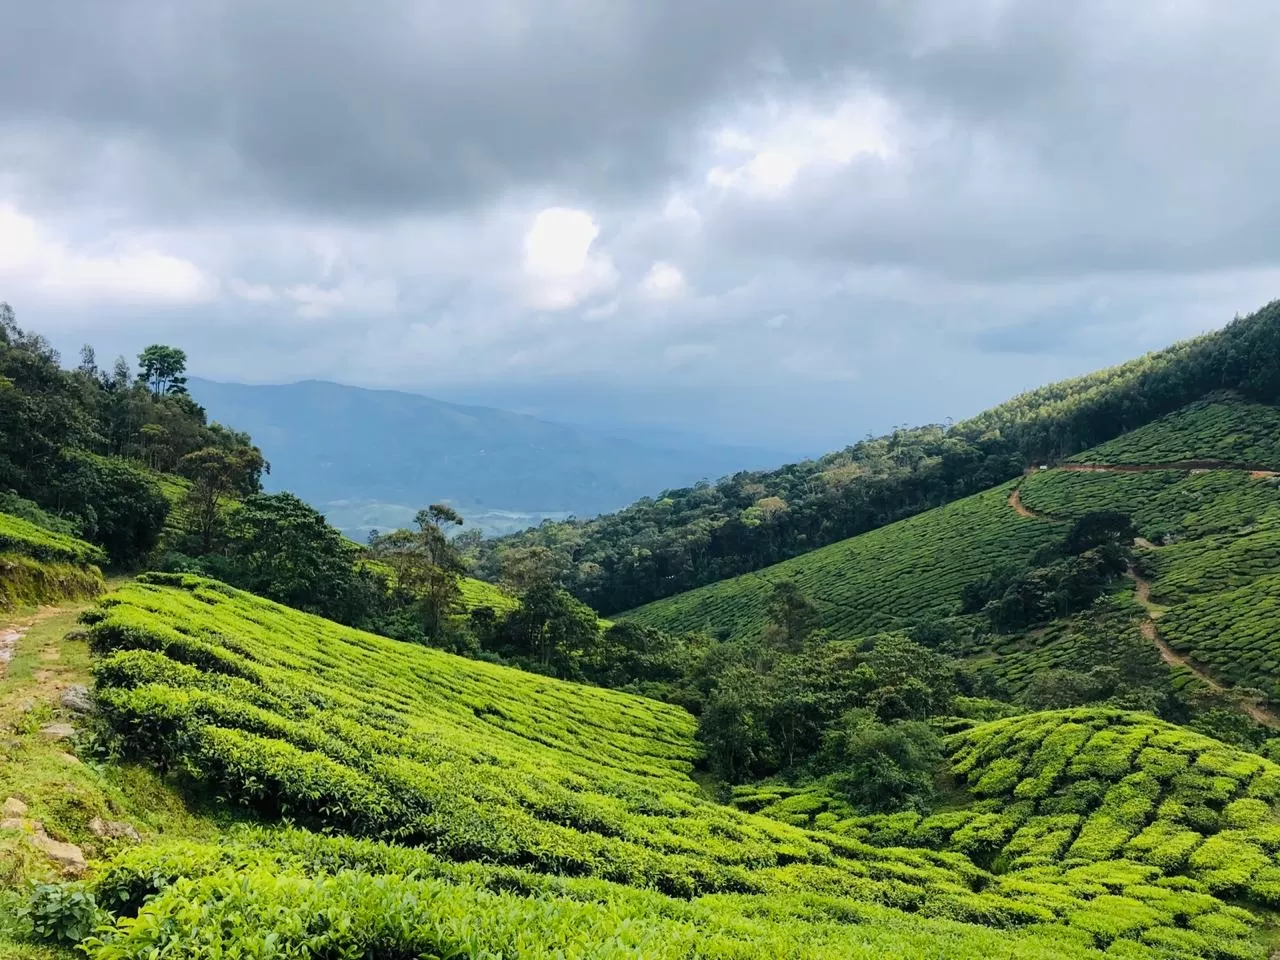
(13, 632)
(1015, 501)
(1142, 593)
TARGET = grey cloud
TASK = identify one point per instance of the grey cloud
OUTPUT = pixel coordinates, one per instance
(1071, 138)
(391, 105)
(1074, 183)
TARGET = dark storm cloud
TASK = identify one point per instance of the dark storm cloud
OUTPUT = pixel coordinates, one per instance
(392, 105)
(1064, 139)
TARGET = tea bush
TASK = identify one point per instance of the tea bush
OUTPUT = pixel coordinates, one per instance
(30, 540)
(1222, 428)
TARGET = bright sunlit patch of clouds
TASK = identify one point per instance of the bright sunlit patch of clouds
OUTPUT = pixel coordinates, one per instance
(664, 281)
(767, 152)
(558, 261)
(118, 270)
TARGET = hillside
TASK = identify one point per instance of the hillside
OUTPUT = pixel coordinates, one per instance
(910, 570)
(371, 458)
(1206, 542)
(1107, 799)
(513, 815)
(38, 565)
(682, 539)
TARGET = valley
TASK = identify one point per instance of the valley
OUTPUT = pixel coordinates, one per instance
(1027, 707)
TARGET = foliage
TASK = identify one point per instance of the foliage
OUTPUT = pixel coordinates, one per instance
(912, 570)
(228, 470)
(62, 913)
(280, 548)
(79, 443)
(881, 767)
(687, 538)
(1219, 429)
(770, 711)
(118, 504)
(161, 368)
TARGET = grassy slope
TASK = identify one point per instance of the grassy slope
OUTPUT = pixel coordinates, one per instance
(62, 790)
(911, 569)
(536, 815)
(41, 566)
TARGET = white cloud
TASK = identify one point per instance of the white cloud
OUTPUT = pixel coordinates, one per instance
(663, 282)
(126, 271)
(252, 292)
(776, 144)
(558, 263)
(354, 294)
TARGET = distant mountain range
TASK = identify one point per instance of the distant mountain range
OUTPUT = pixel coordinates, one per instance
(370, 458)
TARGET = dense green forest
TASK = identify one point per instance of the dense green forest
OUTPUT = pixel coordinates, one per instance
(686, 538)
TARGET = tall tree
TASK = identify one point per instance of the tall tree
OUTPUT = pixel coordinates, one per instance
(218, 474)
(427, 568)
(162, 368)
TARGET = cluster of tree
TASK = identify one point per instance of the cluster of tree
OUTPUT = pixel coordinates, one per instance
(797, 703)
(689, 537)
(1062, 580)
(86, 445)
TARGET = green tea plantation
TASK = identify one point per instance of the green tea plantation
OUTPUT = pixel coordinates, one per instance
(1225, 429)
(43, 566)
(912, 569)
(509, 815)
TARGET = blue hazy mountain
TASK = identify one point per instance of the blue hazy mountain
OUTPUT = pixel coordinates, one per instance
(370, 458)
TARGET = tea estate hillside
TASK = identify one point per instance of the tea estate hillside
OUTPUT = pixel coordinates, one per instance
(1201, 491)
(359, 796)
(680, 539)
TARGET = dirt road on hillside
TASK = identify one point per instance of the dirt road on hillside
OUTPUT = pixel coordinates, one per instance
(1142, 592)
(1015, 501)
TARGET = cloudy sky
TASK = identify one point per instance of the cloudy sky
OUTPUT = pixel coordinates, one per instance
(783, 221)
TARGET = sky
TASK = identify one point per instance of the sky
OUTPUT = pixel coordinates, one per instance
(782, 222)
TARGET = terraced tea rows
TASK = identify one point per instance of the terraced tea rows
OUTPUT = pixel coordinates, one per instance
(1163, 504)
(533, 816)
(912, 569)
(1235, 633)
(1109, 634)
(478, 593)
(29, 540)
(296, 894)
(1094, 797)
(1225, 429)
(290, 713)
(42, 566)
